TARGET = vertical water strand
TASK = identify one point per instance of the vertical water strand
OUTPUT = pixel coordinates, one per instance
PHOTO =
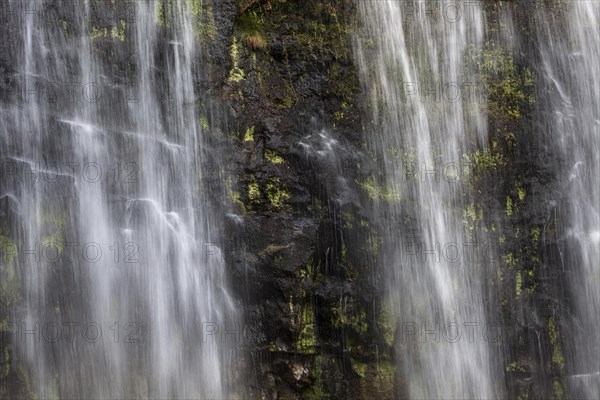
(410, 63)
(191, 280)
(570, 64)
(137, 272)
(39, 187)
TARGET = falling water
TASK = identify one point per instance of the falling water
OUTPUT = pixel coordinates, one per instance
(570, 65)
(115, 233)
(426, 119)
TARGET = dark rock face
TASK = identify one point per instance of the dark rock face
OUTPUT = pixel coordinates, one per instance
(295, 250)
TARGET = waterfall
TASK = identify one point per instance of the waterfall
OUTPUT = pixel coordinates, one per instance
(122, 281)
(569, 67)
(427, 114)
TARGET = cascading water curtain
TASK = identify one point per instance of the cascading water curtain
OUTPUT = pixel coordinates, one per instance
(426, 116)
(122, 285)
(569, 68)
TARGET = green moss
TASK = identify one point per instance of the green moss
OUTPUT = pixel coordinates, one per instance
(518, 284)
(303, 321)
(509, 206)
(520, 193)
(379, 192)
(98, 33)
(57, 220)
(288, 100)
(272, 347)
(203, 20)
(316, 390)
(204, 123)
(29, 386)
(236, 74)
(115, 32)
(54, 241)
(236, 199)
(10, 283)
(119, 32)
(251, 27)
(535, 235)
(52, 389)
(249, 135)
(307, 339)
(487, 160)
(253, 191)
(348, 219)
(8, 248)
(373, 244)
(515, 367)
(472, 216)
(5, 361)
(4, 326)
(359, 368)
(386, 375)
(273, 157)
(508, 87)
(10, 287)
(164, 11)
(350, 315)
(386, 323)
(557, 357)
(510, 260)
(557, 388)
(311, 271)
(53, 225)
(277, 195)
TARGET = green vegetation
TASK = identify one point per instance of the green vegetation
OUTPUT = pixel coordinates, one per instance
(316, 390)
(273, 157)
(203, 20)
(307, 339)
(115, 32)
(5, 361)
(518, 285)
(385, 323)
(249, 135)
(487, 160)
(359, 368)
(350, 315)
(303, 320)
(376, 191)
(557, 357)
(54, 241)
(204, 123)
(472, 216)
(510, 209)
(251, 27)
(8, 248)
(521, 194)
(163, 12)
(535, 235)
(559, 392)
(253, 191)
(236, 74)
(508, 87)
(53, 225)
(277, 195)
